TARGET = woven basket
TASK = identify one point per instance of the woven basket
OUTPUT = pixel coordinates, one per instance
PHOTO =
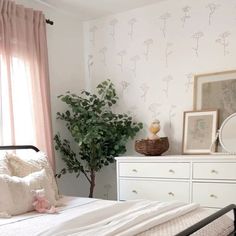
(152, 147)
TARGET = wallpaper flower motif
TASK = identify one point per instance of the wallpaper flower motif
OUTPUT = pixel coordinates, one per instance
(167, 79)
(189, 83)
(147, 44)
(212, 9)
(186, 16)
(113, 24)
(154, 108)
(90, 64)
(124, 85)
(164, 19)
(197, 37)
(121, 54)
(144, 87)
(131, 24)
(103, 52)
(134, 60)
(223, 41)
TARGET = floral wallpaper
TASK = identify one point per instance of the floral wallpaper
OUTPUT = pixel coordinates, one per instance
(151, 54)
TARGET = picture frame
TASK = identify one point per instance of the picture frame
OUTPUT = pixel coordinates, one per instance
(199, 131)
(216, 91)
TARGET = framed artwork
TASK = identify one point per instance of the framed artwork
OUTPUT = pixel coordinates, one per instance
(216, 91)
(199, 131)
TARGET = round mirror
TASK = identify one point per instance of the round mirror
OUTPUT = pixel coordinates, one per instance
(227, 134)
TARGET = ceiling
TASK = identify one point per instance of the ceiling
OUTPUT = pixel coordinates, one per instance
(90, 9)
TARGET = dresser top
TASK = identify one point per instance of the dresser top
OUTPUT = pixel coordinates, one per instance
(210, 157)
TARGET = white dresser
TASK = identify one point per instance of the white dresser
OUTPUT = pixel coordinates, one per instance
(207, 179)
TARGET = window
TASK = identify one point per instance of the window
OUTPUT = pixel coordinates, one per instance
(16, 118)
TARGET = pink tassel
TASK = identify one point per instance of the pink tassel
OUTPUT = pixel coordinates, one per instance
(41, 205)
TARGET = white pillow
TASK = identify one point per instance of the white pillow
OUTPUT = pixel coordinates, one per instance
(23, 166)
(4, 165)
(17, 194)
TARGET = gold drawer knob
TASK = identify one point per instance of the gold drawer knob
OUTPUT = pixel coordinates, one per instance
(134, 191)
(171, 194)
(214, 171)
(213, 196)
(134, 170)
(171, 171)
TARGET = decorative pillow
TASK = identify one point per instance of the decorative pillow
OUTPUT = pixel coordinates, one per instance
(4, 164)
(17, 193)
(23, 166)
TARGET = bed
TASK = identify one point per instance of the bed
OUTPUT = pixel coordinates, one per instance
(85, 216)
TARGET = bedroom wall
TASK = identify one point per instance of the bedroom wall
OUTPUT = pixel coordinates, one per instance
(65, 51)
(151, 55)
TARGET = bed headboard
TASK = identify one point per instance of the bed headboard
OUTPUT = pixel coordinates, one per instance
(15, 147)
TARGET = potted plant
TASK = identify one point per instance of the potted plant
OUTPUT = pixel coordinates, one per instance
(100, 133)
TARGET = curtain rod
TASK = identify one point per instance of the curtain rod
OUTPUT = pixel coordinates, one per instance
(48, 21)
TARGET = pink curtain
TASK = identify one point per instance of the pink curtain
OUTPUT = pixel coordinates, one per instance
(24, 79)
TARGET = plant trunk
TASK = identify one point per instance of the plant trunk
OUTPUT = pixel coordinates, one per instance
(92, 183)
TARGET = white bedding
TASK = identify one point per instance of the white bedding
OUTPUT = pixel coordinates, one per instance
(32, 224)
(122, 218)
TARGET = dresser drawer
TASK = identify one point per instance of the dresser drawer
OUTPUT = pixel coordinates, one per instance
(154, 190)
(159, 170)
(216, 195)
(214, 171)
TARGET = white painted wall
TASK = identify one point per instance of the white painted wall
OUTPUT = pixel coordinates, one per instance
(65, 50)
(152, 53)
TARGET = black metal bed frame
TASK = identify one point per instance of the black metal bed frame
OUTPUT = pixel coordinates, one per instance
(192, 229)
(14, 147)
